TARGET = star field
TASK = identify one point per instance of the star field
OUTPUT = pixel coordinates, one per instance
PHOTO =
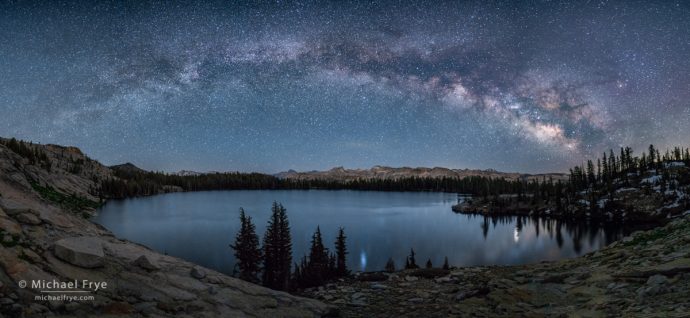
(215, 85)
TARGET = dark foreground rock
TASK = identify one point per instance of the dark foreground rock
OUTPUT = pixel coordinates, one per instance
(81, 251)
(645, 275)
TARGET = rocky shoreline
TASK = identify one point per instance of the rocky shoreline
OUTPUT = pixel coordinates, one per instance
(646, 274)
(634, 206)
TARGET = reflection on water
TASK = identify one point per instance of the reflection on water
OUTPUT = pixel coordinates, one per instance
(577, 231)
(198, 226)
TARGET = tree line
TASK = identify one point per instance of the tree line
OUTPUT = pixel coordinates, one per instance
(411, 263)
(597, 180)
(624, 167)
(27, 150)
(142, 183)
(271, 263)
(36, 155)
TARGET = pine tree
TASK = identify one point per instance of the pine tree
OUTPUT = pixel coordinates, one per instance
(332, 267)
(677, 155)
(341, 253)
(445, 263)
(559, 190)
(296, 276)
(277, 250)
(247, 251)
(598, 169)
(591, 178)
(428, 264)
(390, 265)
(411, 262)
(299, 278)
(317, 267)
(13, 144)
(605, 169)
(623, 160)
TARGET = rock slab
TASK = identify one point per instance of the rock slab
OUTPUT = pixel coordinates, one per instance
(146, 263)
(198, 272)
(84, 252)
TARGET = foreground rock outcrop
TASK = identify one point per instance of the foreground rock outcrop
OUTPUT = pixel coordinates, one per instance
(48, 242)
(645, 275)
(80, 251)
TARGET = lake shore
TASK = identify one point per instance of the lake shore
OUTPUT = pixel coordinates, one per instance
(636, 206)
(644, 274)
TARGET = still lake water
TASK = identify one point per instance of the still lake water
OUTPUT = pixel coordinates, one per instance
(199, 226)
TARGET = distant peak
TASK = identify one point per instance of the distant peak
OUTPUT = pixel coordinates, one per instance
(127, 166)
(189, 173)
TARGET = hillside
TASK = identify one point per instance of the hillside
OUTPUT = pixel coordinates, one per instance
(386, 173)
(45, 192)
(643, 190)
(127, 168)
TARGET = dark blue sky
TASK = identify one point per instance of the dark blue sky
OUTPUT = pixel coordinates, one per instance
(528, 86)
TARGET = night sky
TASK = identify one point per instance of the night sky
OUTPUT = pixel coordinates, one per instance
(529, 86)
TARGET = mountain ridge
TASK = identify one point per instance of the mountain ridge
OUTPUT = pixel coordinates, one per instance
(341, 173)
